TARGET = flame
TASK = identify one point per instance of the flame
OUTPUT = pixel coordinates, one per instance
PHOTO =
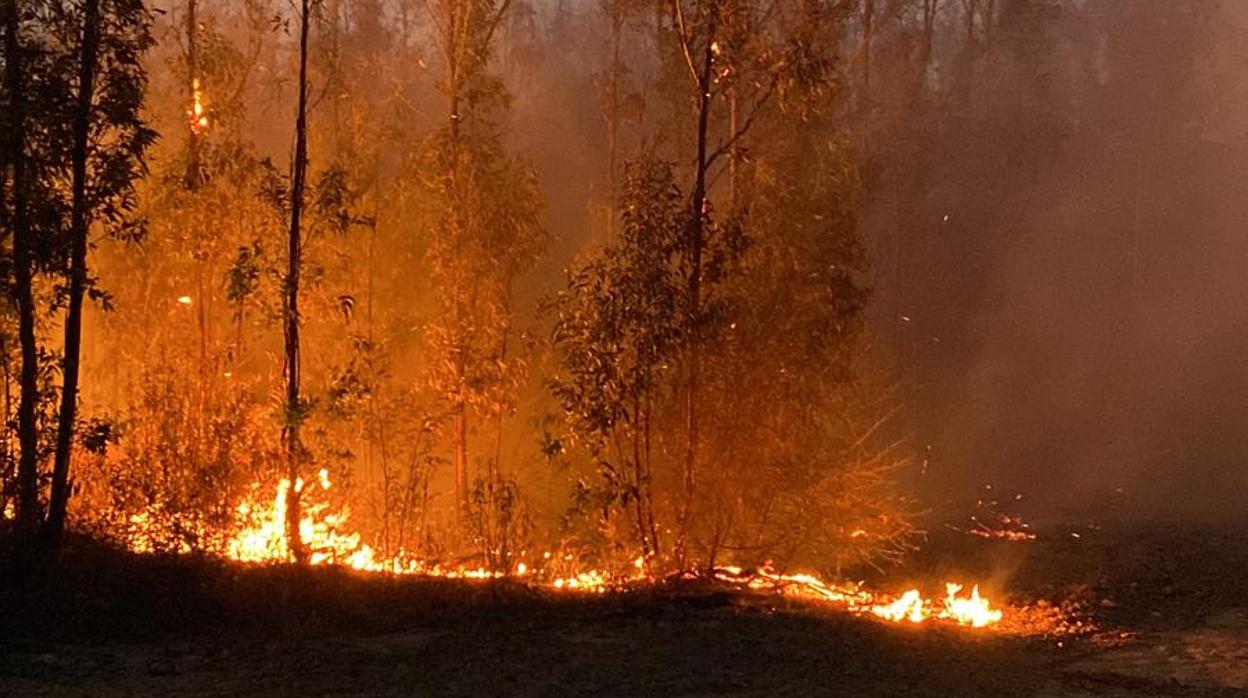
(908, 607)
(261, 538)
(593, 580)
(263, 534)
(973, 610)
(198, 117)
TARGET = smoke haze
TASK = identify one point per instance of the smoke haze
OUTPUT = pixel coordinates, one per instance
(1066, 299)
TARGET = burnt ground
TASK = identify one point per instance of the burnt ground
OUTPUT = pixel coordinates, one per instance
(1169, 606)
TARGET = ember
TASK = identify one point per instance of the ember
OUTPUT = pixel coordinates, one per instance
(198, 117)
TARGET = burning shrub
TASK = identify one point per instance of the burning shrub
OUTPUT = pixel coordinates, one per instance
(499, 517)
(186, 457)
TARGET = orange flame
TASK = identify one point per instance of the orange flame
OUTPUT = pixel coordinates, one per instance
(198, 117)
(908, 607)
(262, 538)
(973, 610)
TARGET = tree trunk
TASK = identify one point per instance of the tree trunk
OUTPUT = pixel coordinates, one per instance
(80, 224)
(616, 19)
(648, 479)
(734, 159)
(460, 446)
(294, 410)
(28, 510)
(696, 243)
(459, 438)
(193, 175)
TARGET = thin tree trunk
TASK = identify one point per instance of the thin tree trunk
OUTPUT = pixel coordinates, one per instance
(193, 174)
(8, 400)
(494, 475)
(639, 503)
(377, 416)
(29, 513)
(696, 243)
(648, 479)
(294, 411)
(459, 437)
(613, 112)
(460, 447)
(80, 223)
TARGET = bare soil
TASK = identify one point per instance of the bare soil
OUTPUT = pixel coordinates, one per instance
(1168, 606)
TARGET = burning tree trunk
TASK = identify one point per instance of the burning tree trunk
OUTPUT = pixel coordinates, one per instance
(290, 310)
(79, 227)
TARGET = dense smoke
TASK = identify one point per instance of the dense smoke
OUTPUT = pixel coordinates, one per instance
(1059, 290)
(1064, 291)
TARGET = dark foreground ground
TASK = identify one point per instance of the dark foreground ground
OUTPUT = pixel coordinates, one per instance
(1170, 607)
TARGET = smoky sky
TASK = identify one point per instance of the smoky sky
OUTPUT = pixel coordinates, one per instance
(1066, 298)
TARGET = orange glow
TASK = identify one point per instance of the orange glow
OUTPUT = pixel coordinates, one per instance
(972, 610)
(196, 113)
(908, 607)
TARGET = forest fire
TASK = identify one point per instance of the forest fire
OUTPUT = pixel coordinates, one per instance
(834, 319)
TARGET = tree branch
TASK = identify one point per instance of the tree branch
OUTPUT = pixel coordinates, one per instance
(684, 43)
(749, 121)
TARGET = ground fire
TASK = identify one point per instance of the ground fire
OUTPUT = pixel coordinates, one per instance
(263, 540)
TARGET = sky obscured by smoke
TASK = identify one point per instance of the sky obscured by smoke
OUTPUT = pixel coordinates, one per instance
(1069, 305)
(1058, 242)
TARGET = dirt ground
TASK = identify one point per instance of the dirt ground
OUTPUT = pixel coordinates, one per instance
(1169, 609)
